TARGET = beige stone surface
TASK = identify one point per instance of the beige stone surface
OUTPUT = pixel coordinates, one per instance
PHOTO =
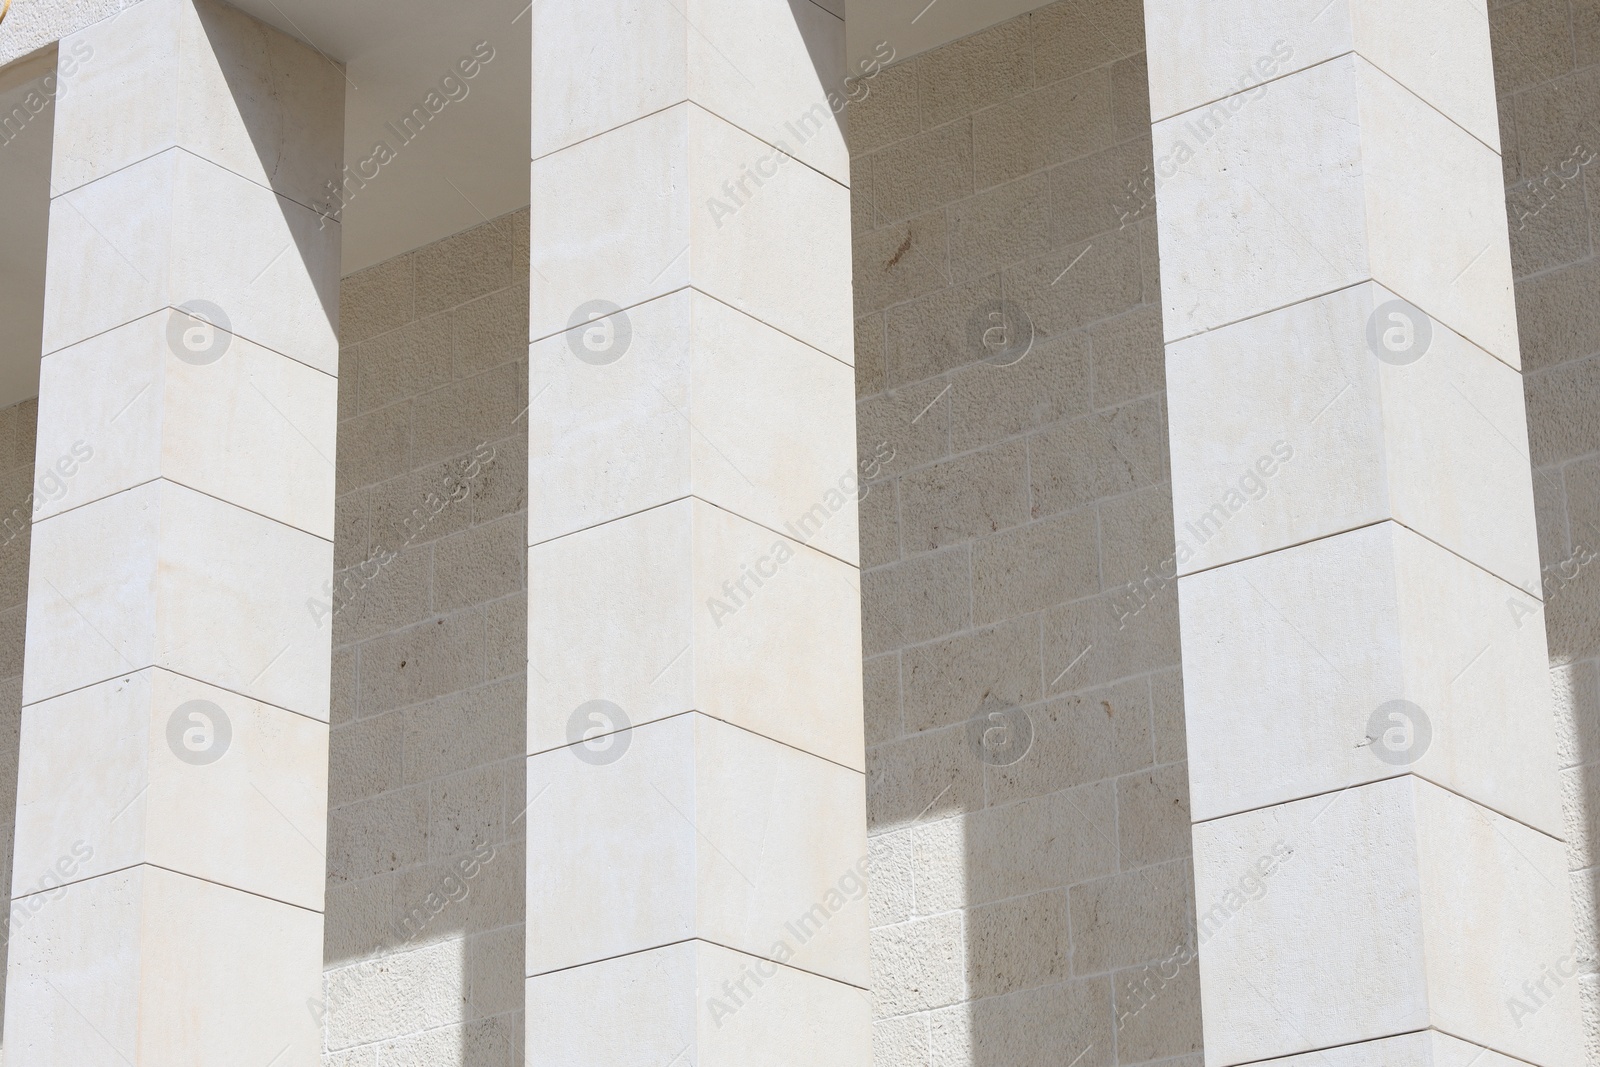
(687, 607)
(253, 427)
(1026, 498)
(1444, 865)
(179, 246)
(211, 79)
(17, 436)
(765, 70)
(627, 217)
(695, 999)
(1547, 81)
(705, 401)
(97, 770)
(720, 834)
(73, 975)
(424, 962)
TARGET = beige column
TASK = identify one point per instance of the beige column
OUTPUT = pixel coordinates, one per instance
(696, 821)
(1379, 868)
(168, 877)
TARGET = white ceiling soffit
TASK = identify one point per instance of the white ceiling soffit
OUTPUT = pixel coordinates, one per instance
(469, 161)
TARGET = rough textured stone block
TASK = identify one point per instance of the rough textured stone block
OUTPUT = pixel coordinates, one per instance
(962, 677)
(1034, 567)
(917, 600)
(1139, 915)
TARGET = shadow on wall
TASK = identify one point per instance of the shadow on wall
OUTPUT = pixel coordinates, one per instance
(1545, 67)
(1027, 790)
(17, 428)
(426, 871)
(313, 120)
(424, 923)
(27, 116)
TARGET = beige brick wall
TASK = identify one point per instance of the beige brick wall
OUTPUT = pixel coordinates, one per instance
(424, 940)
(1547, 71)
(17, 425)
(1021, 910)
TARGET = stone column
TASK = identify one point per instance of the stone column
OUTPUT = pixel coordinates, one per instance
(168, 879)
(696, 820)
(1377, 830)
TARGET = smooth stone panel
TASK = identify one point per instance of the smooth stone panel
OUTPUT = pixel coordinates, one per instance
(207, 78)
(763, 67)
(250, 427)
(651, 207)
(176, 229)
(611, 219)
(692, 828)
(1289, 656)
(646, 612)
(145, 966)
(194, 585)
(684, 1001)
(1439, 444)
(1425, 1048)
(1390, 907)
(705, 401)
(1497, 916)
(1266, 210)
(1332, 176)
(1437, 211)
(1200, 54)
(784, 256)
(99, 768)
(638, 62)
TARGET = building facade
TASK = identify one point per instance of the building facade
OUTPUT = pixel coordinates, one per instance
(805, 532)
